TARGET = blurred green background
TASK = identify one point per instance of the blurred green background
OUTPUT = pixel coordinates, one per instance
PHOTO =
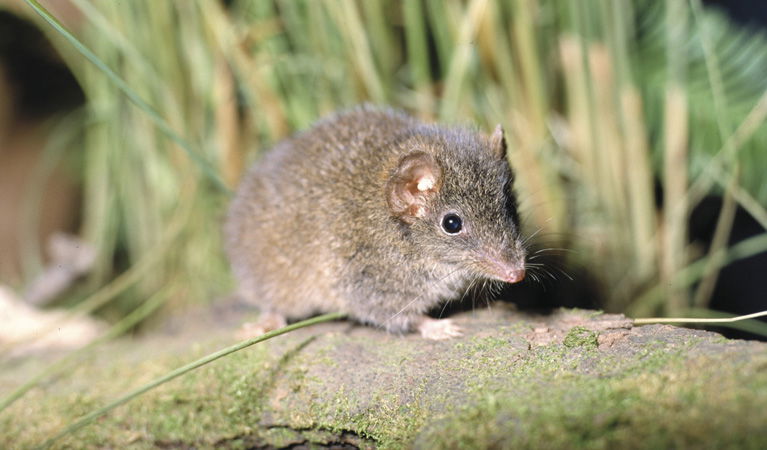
(622, 116)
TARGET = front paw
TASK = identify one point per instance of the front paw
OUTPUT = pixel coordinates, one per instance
(438, 329)
(267, 321)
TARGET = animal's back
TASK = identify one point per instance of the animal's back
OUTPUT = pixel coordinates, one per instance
(288, 227)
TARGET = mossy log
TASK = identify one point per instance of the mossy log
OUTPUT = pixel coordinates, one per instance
(572, 379)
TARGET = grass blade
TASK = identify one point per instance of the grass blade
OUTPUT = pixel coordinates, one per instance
(130, 93)
(88, 418)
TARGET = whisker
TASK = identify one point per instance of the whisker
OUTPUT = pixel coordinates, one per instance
(474, 282)
(463, 297)
(556, 267)
(554, 250)
(533, 265)
(529, 238)
(550, 275)
(442, 311)
(534, 272)
(562, 271)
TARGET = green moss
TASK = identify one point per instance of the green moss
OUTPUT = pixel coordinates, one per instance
(667, 409)
(383, 420)
(282, 437)
(581, 337)
(482, 344)
(394, 392)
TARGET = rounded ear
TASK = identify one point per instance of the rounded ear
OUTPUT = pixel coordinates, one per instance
(415, 181)
(498, 142)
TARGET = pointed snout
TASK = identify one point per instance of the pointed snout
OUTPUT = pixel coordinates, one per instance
(514, 275)
(503, 270)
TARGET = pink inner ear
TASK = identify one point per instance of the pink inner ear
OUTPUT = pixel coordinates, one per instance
(424, 181)
(414, 183)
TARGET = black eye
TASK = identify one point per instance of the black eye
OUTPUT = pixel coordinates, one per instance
(451, 223)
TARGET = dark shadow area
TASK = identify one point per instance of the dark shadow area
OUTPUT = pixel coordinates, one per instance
(42, 84)
(751, 13)
(739, 288)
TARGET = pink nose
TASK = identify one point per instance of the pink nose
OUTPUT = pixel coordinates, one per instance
(514, 275)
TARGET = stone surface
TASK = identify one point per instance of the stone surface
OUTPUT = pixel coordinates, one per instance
(572, 379)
